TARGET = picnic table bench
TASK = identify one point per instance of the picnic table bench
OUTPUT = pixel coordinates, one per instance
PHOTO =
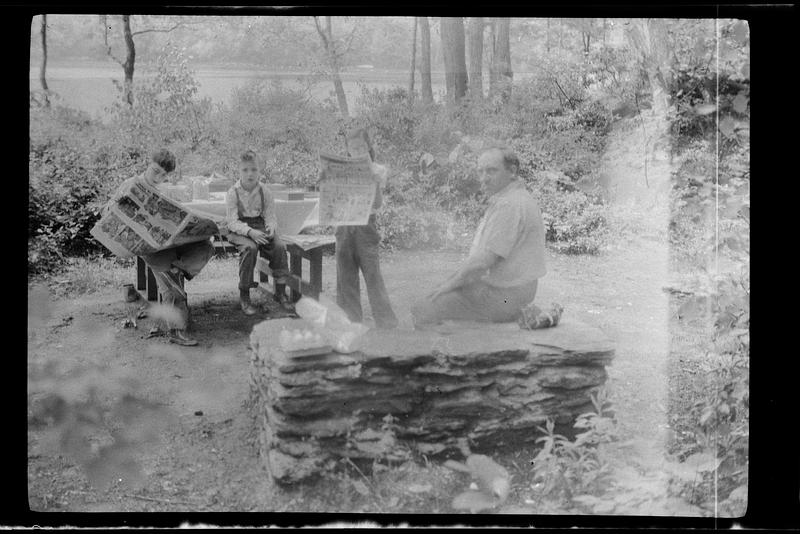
(298, 247)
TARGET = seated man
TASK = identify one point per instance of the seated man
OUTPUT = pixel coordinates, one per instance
(252, 222)
(506, 260)
(187, 260)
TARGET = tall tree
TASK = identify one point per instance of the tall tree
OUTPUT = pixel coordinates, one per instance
(334, 52)
(475, 41)
(547, 37)
(650, 40)
(129, 64)
(455, 63)
(502, 75)
(425, 60)
(492, 51)
(413, 62)
(43, 67)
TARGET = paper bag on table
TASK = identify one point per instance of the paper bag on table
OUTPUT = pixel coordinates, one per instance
(343, 334)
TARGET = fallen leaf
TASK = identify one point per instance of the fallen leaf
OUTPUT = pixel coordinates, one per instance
(727, 126)
(419, 488)
(702, 461)
(740, 103)
(360, 487)
(705, 109)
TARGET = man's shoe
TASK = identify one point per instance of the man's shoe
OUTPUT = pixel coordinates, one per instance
(180, 337)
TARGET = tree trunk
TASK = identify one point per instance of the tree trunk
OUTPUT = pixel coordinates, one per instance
(455, 63)
(413, 63)
(547, 37)
(493, 54)
(130, 59)
(328, 43)
(425, 60)
(561, 34)
(476, 57)
(501, 59)
(43, 68)
(586, 38)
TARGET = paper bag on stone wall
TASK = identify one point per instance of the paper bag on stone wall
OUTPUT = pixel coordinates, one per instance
(343, 334)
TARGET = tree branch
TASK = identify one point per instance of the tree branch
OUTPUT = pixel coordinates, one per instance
(158, 30)
(349, 39)
(321, 33)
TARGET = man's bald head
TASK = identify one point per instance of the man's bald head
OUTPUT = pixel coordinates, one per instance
(509, 157)
(497, 167)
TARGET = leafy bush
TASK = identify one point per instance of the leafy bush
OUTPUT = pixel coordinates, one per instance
(165, 110)
(414, 227)
(718, 422)
(70, 178)
(575, 223)
(564, 468)
(283, 126)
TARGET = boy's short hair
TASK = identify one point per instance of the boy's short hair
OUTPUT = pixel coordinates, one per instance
(248, 156)
(164, 159)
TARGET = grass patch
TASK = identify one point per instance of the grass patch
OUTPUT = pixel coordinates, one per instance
(87, 275)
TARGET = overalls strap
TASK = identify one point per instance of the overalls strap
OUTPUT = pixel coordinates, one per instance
(241, 206)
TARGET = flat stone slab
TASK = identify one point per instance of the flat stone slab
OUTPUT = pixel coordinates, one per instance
(409, 390)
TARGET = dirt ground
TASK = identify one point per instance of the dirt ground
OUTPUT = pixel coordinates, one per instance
(207, 459)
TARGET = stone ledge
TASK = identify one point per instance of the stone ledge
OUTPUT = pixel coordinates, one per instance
(492, 384)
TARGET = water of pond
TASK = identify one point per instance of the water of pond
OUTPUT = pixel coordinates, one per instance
(90, 88)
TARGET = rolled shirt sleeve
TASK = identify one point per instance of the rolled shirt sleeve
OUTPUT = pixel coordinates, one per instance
(501, 230)
(232, 215)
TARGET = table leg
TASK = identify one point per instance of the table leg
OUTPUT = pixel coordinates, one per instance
(296, 268)
(152, 286)
(141, 274)
(315, 274)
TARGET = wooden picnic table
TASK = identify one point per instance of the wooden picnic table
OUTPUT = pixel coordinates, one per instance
(293, 216)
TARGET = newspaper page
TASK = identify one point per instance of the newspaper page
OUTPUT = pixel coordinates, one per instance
(143, 220)
(347, 190)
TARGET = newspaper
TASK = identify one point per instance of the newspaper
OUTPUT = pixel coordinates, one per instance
(142, 220)
(346, 191)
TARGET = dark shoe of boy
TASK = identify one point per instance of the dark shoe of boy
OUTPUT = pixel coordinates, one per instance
(180, 337)
(282, 298)
(247, 306)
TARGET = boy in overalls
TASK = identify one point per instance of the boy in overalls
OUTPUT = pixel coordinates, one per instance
(252, 223)
(357, 249)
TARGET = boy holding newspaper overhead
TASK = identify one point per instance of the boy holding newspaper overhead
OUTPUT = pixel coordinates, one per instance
(357, 247)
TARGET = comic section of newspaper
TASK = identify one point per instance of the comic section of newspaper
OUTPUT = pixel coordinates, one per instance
(347, 190)
(142, 221)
